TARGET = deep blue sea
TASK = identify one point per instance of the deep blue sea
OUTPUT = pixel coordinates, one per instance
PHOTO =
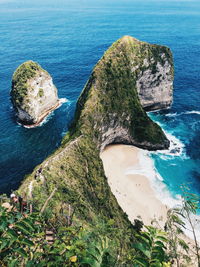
(67, 38)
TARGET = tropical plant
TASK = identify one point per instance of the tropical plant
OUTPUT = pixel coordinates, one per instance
(19, 234)
(24, 242)
(190, 206)
(176, 245)
(151, 248)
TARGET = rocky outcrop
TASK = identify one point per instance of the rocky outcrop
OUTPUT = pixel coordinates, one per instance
(33, 93)
(131, 75)
(155, 79)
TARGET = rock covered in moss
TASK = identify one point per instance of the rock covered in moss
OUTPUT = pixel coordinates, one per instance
(132, 75)
(33, 93)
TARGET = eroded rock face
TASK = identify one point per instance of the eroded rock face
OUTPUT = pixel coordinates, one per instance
(33, 93)
(130, 77)
(155, 88)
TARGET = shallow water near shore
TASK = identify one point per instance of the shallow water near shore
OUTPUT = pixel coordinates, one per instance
(67, 38)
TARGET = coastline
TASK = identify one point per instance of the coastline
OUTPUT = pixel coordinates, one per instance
(130, 184)
(45, 114)
(139, 190)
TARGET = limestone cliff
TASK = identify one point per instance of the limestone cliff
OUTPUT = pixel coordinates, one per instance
(109, 106)
(33, 93)
(108, 111)
(154, 74)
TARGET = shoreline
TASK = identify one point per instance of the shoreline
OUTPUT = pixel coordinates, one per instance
(138, 188)
(44, 115)
(131, 186)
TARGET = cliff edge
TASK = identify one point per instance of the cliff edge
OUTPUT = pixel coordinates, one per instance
(132, 75)
(33, 93)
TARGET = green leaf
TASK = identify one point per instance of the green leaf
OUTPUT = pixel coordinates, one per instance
(23, 228)
(4, 244)
(27, 242)
(3, 224)
(142, 262)
(156, 264)
(87, 261)
(31, 263)
(183, 244)
(92, 253)
(21, 251)
(29, 224)
(145, 239)
(162, 238)
(140, 247)
(13, 263)
(160, 244)
(12, 233)
(159, 252)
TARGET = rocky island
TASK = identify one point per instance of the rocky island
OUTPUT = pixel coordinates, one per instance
(109, 111)
(33, 93)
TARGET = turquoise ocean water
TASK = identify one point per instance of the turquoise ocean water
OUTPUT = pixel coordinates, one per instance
(67, 38)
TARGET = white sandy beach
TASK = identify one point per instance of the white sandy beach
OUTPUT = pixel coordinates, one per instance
(133, 192)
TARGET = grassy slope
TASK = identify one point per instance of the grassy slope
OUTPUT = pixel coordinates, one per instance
(75, 169)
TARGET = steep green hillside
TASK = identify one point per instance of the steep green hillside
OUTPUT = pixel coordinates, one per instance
(109, 109)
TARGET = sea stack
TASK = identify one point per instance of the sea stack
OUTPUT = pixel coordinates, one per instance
(33, 93)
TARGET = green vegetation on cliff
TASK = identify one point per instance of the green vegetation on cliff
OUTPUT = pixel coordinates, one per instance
(23, 73)
(76, 171)
(110, 99)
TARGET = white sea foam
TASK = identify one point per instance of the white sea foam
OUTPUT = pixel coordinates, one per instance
(175, 114)
(192, 112)
(49, 116)
(64, 100)
(146, 167)
(176, 147)
(171, 114)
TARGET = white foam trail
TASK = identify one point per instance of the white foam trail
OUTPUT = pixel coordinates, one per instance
(193, 112)
(50, 115)
(183, 113)
(176, 147)
(171, 114)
